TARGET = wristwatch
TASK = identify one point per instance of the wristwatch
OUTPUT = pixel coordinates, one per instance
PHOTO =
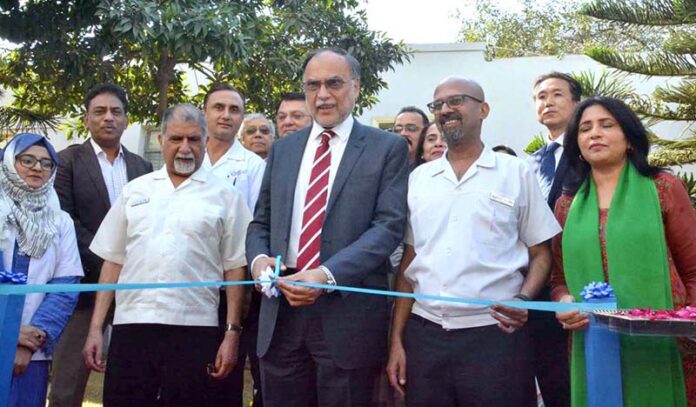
(522, 297)
(330, 280)
(233, 327)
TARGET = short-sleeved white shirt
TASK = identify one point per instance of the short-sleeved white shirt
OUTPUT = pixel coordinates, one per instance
(165, 235)
(241, 168)
(61, 259)
(471, 236)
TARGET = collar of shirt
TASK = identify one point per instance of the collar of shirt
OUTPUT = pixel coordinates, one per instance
(201, 175)
(558, 140)
(237, 152)
(98, 150)
(442, 166)
(342, 130)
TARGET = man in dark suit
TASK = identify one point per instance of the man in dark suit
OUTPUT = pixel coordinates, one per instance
(90, 177)
(556, 95)
(333, 205)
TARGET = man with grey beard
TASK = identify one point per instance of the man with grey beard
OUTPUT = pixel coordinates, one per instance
(476, 219)
(178, 224)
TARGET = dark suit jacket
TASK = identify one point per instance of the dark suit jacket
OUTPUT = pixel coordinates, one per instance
(364, 223)
(558, 181)
(82, 193)
(554, 193)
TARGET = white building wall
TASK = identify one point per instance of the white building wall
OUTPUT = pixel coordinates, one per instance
(507, 84)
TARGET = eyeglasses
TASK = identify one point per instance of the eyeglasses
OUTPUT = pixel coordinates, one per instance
(29, 161)
(297, 116)
(452, 101)
(251, 130)
(333, 84)
(409, 127)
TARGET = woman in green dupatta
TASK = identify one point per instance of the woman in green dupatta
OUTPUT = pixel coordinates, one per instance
(631, 224)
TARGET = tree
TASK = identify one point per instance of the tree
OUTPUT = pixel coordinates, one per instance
(541, 28)
(673, 21)
(150, 46)
(13, 120)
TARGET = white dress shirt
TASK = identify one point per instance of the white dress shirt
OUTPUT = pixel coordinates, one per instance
(559, 151)
(162, 234)
(61, 259)
(115, 175)
(471, 236)
(337, 145)
(241, 168)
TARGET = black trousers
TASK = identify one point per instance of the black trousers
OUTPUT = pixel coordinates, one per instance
(551, 367)
(470, 367)
(232, 390)
(298, 371)
(161, 365)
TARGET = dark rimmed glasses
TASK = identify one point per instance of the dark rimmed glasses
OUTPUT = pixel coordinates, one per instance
(452, 101)
(333, 84)
(29, 161)
(409, 127)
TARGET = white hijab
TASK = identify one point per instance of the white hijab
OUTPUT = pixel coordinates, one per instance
(31, 211)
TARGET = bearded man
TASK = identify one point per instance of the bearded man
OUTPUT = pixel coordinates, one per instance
(476, 220)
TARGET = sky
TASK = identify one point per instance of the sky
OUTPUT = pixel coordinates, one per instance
(421, 21)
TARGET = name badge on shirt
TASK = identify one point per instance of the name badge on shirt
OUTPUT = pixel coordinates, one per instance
(502, 199)
(140, 201)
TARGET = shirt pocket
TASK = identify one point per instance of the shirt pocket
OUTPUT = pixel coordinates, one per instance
(495, 219)
(138, 214)
(202, 222)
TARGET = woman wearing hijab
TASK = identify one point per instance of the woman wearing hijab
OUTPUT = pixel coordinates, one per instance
(36, 239)
(632, 225)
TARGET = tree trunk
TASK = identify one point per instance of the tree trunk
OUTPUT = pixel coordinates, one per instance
(165, 73)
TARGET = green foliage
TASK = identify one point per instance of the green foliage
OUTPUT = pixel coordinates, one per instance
(608, 83)
(690, 183)
(13, 120)
(671, 24)
(537, 143)
(149, 47)
(540, 28)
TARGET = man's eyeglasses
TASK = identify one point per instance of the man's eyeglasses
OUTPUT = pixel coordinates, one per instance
(409, 127)
(452, 101)
(251, 130)
(294, 116)
(29, 161)
(333, 84)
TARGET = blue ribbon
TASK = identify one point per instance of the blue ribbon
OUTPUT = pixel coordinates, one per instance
(13, 294)
(531, 305)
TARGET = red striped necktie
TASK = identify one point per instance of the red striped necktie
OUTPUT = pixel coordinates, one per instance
(315, 206)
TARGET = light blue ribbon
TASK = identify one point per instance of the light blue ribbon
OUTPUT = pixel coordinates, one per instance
(530, 305)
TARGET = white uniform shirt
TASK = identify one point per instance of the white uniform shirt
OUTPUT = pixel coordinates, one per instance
(243, 169)
(471, 235)
(115, 175)
(338, 146)
(165, 235)
(61, 259)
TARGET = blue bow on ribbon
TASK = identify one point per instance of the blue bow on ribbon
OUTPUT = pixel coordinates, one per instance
(602, 352)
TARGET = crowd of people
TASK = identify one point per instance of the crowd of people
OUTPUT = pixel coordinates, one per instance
(427, 208)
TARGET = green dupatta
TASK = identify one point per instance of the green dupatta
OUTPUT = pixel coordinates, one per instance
(639, 273)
